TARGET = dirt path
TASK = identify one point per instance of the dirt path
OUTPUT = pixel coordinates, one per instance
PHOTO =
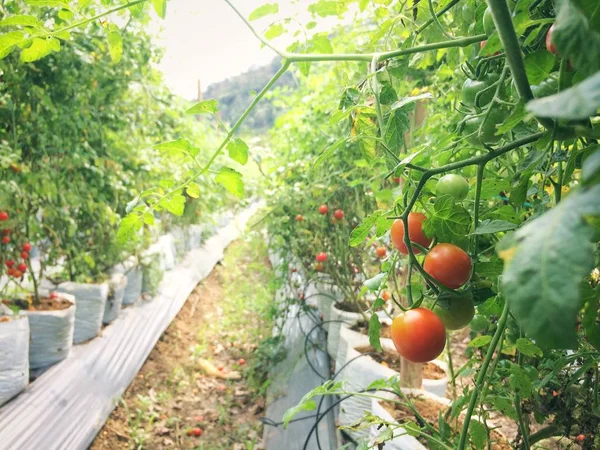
(221, 323)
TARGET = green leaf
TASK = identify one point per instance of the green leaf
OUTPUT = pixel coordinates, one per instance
(528, 348)
(374, 332)
(407, 100)
(329, 151)
(40, 48)
(193, 190)
(360, 233)
(322, 44)
(66, 15)
(324, 8)
(538, 65)
(238, 150)
(450, 222)
(520, 382)
(398, 123)
(350, 97)
(178, 147)
(307, 403)
(49, 3)
(8, 42)
(590, 171)
(115, 45)
(478, 434)
(545, 262)
(21, 20)
(160, 6)
(388, 95)
(263, 11)
(504, 405)
(203, 107)
(493, 226)
(515, 118)
(231, 180)
(578, 102)
(576, 34)
(129, 226)
(480, 341)
(374, 284)
(589, 320)
(274, 31)
(174, 203)
(148, 218)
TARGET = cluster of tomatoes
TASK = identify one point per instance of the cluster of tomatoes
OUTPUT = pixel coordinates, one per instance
(420, 333)
(13, 269)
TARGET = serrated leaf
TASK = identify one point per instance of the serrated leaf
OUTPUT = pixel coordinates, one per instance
(388, 95)
(231, 180)
(515, 118)
(374, 332)
(578, 102)
(148, 218)
(545, 262)
(129, 226)
(398, 123)
(360, 233)
(407, 100)
(528, 348)
(174, 203)
(160, 6)
(132, 204)
(480, 341)
(39, 48)
(21, 20)
(590, 171)
(177, 147)
(589, 320)
(274, 31)
(8, 42)
(115, 45)
(520, 382)
(238, 150)
(450, 222)
(374, 284)
(478, 434)
(263, 11)
(204, 107)
(322, 44)
(193, 190)
(350, 97)
(493, 226)
(538, 66)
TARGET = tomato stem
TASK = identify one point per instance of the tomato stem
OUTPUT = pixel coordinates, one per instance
(524, 430)
(481, 376)
(478, 186)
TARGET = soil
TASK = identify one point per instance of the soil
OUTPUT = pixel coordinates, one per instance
(392, 359)
(173, 394)
(48, 304)
(351, 307)
(363, 328)
(429, 411)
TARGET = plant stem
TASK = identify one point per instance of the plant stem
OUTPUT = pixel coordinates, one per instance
(450, 366)
(478, 186)
(544, 433)
(440, 13)
(481, 376)
(375, 89)
(519, 411)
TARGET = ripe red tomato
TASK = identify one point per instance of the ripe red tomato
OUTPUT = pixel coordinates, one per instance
(381, 252)
(52, 295)
(321, 257)
(24, 255)
(242, 362)
(385, 295)
(549, 44)
(9, 263)
(299, 218)
(3, 216)
(338, 214)
(419, 335)
(17, 274)
(26, 247)
(5, 240)
(195, 432)
(10, 272)
(22, 267)
(415, 233)
(323, 209)
(448, 264)
(581, 437)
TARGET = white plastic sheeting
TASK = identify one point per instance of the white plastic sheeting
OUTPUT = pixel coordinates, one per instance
(90, 301)
(14, 357)
(51, 335)
(337, 317)
(69, 403)
(117, 285)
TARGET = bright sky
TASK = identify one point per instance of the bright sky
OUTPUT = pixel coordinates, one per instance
(206, 40)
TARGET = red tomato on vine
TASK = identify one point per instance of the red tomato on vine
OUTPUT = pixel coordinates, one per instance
(323, 209)
(9, 263)
(549, 44)
(419, 335)
(415, 233)
(24, 255)
(26, 247)
(338, 214)
(299, 218)
(381, 252)
(321, 257)
(448, 264)
(3, 216)
(5, 240)
(22, 267)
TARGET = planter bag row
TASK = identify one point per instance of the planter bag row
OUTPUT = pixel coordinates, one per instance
(133, 272)
(117, 285)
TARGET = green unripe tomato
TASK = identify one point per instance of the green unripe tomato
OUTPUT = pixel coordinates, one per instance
(479, 323)
(455, 312)
(453, 185)
(488, 131)
(471, 87)
(488, 22)
(547, 87)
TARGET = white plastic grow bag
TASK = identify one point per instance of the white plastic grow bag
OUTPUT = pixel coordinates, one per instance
(354, 339)
(51, 334)
(167, 246)
(179, 242)
(131, 269)
(362, 371)
(401, 440)
(152, 271)
(326, 296)
(90, 301)
(14, 357)
(337, 317)
(193, 237)
(117, 285)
